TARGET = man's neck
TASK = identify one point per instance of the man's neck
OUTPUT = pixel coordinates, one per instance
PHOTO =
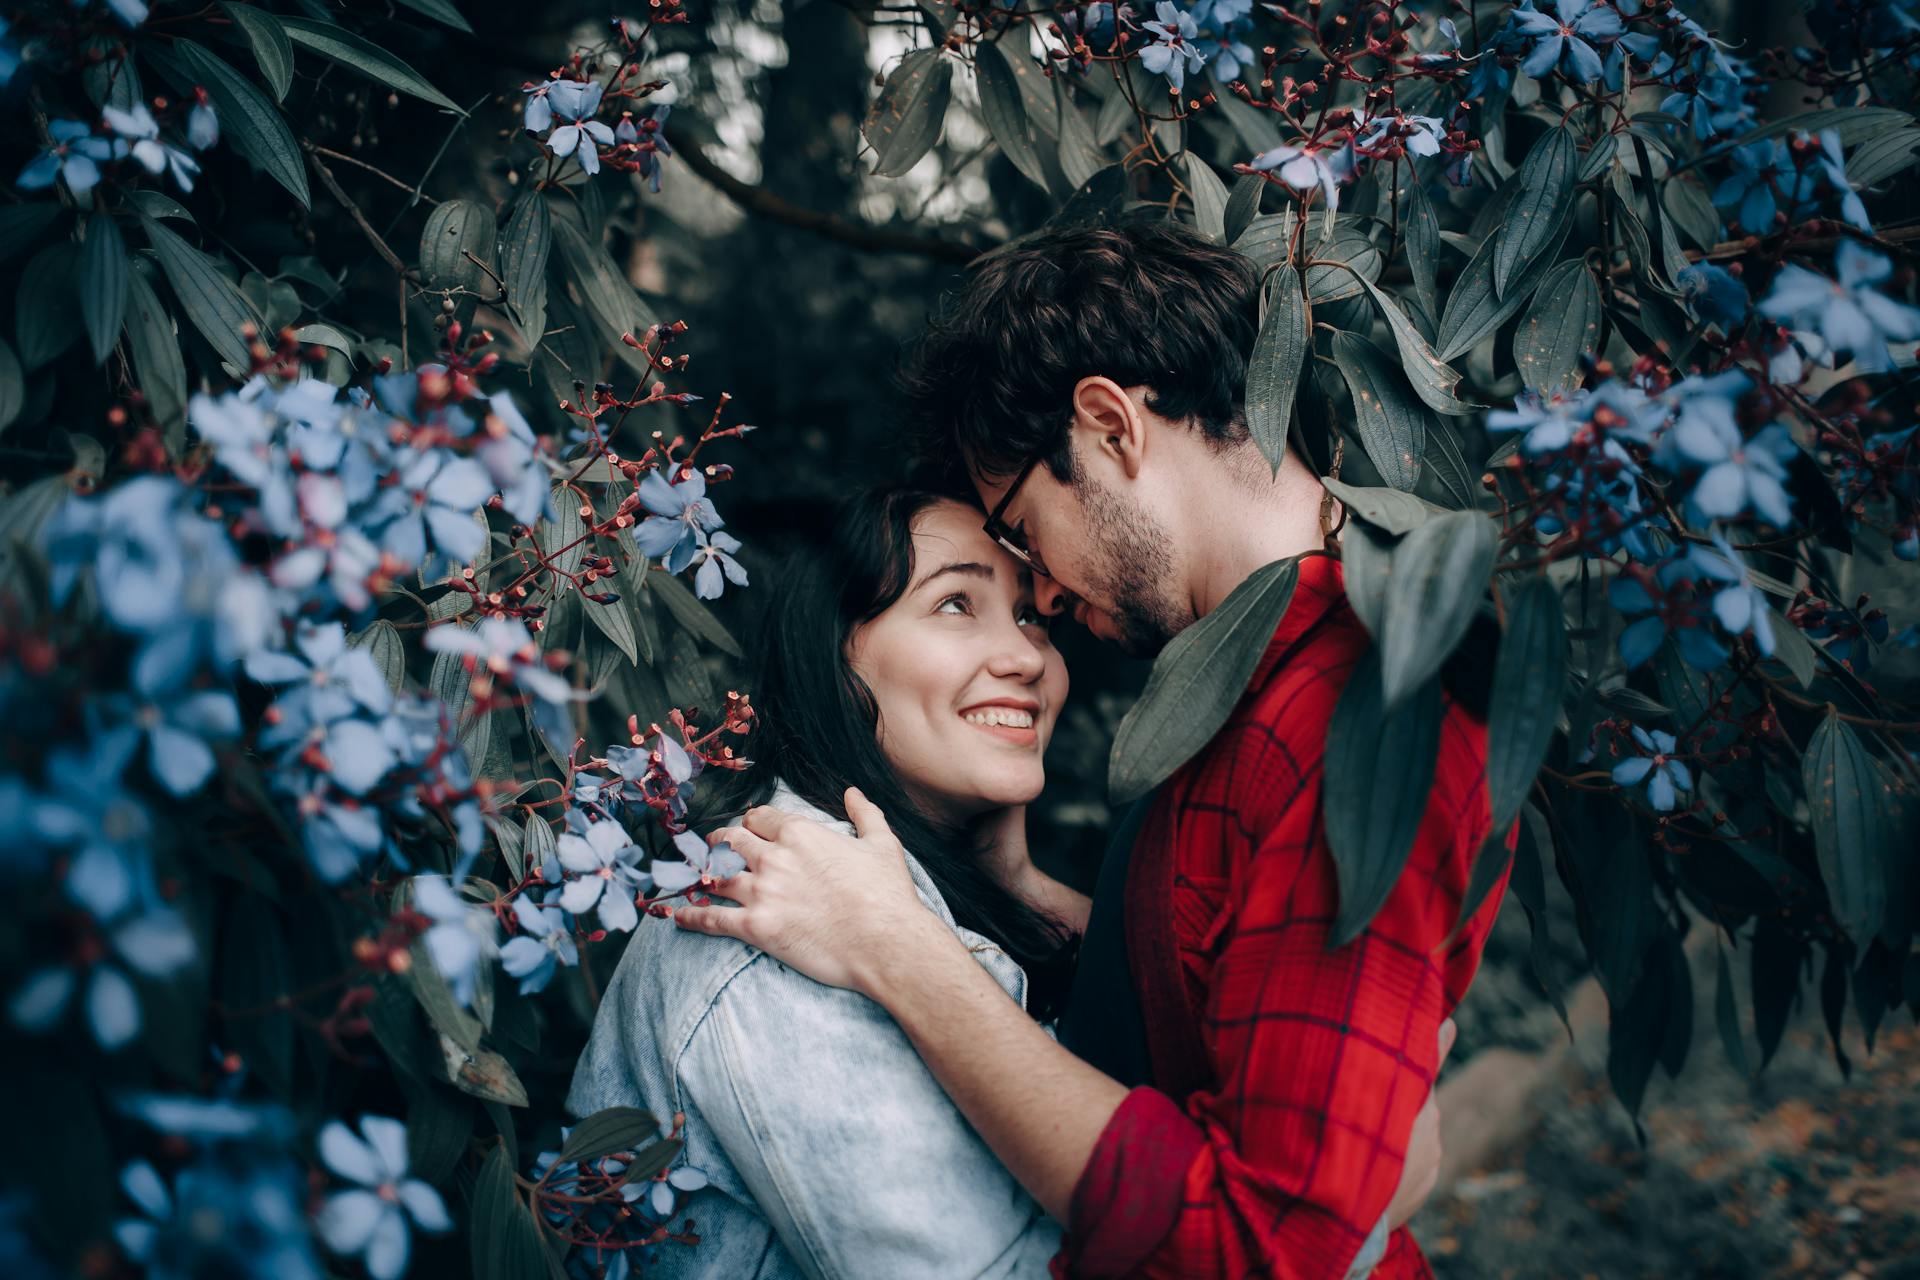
(1252, 517)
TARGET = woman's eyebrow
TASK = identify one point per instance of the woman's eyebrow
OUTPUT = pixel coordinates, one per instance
(968, 568)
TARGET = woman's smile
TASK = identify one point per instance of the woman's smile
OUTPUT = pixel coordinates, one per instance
(1007, 720)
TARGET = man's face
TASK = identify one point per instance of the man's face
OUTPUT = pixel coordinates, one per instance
(1108, 559)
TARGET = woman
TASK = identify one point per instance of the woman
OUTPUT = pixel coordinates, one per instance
(909, 660)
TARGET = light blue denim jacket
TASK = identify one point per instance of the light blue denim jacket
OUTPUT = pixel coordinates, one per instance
(830, 1148)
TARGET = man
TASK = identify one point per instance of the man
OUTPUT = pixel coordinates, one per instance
(1252, 1117)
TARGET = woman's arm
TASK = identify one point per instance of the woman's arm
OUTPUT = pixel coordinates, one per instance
(847, 1143)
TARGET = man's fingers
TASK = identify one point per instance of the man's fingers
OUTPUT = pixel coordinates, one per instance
(764, 821)
(868, 821)
(723, 922)
(734, 888)
(749, 846)
(1448, 1034)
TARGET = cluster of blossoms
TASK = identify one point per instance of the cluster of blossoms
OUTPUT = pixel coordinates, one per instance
(608, 1212)
(76, 151)
(566, 112)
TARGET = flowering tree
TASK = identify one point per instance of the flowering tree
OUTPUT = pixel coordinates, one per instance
(352, 646)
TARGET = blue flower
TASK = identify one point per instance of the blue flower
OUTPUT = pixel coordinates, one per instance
(462, 937)
(510, 453)
(178, 725)
(715, 558)
(151, 940)
(1849, 314)
(682, 514)
(1736, 475)
(1563, 40)
(1718, 103)
(224, 1216)
(1764, 174)
(74, 155)
(546, 944)
(717, 862)
(1173, 53)
(1830, 164)
(371, 1219)
(1716, 295)
(438, 493)
(203, 124)
(1657, 770)
(660, 1198)
(575, 102)
(605, 864)
(1664, 603)
(142, 133)
(507, 650)
(1304, 168)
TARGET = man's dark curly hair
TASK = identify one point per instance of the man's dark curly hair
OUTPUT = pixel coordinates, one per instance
(1150, 304)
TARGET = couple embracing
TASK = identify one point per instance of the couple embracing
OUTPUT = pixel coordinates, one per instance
(902, 1051)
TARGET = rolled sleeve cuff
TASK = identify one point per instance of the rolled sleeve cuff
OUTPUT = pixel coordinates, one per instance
(1129, 1196)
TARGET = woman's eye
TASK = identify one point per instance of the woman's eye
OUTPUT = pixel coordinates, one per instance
(1029, 616)
(956, 604)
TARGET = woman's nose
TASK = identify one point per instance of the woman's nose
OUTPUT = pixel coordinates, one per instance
(1016, 656)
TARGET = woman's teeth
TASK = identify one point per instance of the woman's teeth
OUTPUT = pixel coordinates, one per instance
(1011, 717)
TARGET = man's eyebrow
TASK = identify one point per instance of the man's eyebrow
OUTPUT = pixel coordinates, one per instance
(970, 568)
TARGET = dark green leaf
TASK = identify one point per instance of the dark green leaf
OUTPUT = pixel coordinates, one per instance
(13, 385)
(1474, 310)
(1387, 509)
(439, 1127)
(1377, 778)
(1209, 197)
(1366, 555)
(1489, 864)
(615, 621)
(1634, 1037)
(439, 11)
(1726, 1015)
(158, 204)
(1793, 649)
(1243, 205)
(694, 618)
(46, 315)
(1391, 423)
(103, 283)
(213, 304)
(525, 243)
(256, 975)
(1358, 262)
(1439, 576)
(1423, 246)
(1527, 677)
(268, 40)
(605, 1132)
(337, 44)
(1005, 110)
(22, 224)
(247, 119)
(1267, 239)
(1833, 1002)
(1539, 210)
(381, 640)
(454, 230)
(1196, 682)
(1432, 378)
(1687, 204)
(1882, 157)
(1775, 956)
(906, 117)
(1079, 156)
(1273, 373)
(1855, 124)
(1849, 801)
(1598, 157)
(540, 843)
(450, 682)
(504, 1240)
(1677, 1042)
(1560, 328)
(608, 294)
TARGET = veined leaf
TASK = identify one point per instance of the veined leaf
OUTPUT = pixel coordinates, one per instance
(439, 11)
(605, 1132)
(1389, 510)
(1079, 154)
(1273, 374)
(609, 296)
(1209, 197)
(1366, 561)
(356, 53)
(615, 621)
(525, 244)
(1561, 327)
(1377, 777)
(1882, 157)
(450, 682)
(1243, 205)
(1687, 204)
(1005, 110)
(214, 305)
(248, 120)
(155, 349)
(906, 117)
(694, 618)
(455, 229)
(1360, 265)
(103, 283)
(1855, 124)
(159, 204)
(1433, 379)
(268, 40)
(46, 317)
(1197, 681)
(1527, 677)
(1391, 424)
(1423, 247)
(1439, 575)
(1474, 310)
(382, 642)
(1850, 803)
(1539, 208)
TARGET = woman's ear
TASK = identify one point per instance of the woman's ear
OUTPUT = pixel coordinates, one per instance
(1112, 424)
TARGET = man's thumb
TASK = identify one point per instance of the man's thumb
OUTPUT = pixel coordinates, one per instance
(868, 822)
(1448, 1032)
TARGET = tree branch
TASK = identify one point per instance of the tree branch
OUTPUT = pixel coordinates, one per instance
(763, 203)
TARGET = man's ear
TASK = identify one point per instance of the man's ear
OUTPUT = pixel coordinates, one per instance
(1112, 423)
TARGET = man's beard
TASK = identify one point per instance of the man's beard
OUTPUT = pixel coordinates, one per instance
(1129, 565)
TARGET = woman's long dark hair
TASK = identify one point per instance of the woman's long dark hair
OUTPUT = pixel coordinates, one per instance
(816, 722)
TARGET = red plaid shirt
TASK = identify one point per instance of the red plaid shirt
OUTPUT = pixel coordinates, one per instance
(1287, 1074)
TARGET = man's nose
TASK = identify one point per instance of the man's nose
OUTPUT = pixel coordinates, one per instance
(1049, 597)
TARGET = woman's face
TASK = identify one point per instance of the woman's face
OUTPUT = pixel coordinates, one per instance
(967, 682)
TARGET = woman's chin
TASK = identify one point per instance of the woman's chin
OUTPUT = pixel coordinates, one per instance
(994, 789)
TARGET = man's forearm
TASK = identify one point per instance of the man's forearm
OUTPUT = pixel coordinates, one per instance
(1036, 1105)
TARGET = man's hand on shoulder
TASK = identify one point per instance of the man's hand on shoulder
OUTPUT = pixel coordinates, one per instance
(841, 909)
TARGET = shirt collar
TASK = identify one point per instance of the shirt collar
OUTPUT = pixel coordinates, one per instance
(1319, 590)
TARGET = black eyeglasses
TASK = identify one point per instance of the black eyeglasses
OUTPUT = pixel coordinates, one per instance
(1013, 539)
